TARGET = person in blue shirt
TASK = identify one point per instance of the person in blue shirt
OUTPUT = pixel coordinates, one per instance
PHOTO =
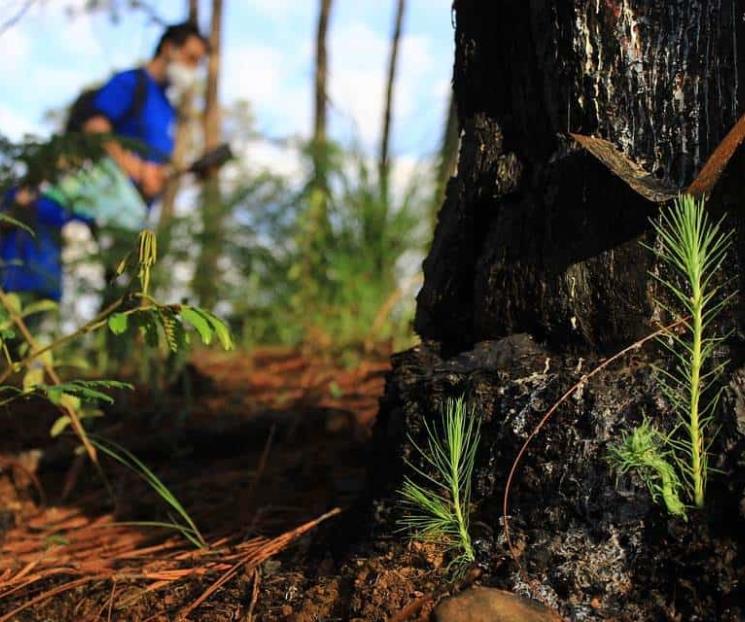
(32, 264)
(169, 75)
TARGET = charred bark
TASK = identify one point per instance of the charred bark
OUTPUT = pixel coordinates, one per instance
(536, 235)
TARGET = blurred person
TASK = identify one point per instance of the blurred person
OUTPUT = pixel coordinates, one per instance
(138, 106)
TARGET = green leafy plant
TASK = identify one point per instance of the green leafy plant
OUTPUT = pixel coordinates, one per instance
(327, 267)
(151, 317)
(39, 377)
(693, 249)
(437, 506)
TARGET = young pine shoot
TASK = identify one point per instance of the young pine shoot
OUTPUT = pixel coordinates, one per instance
(438, 507)
(644, 451)
(694, 249)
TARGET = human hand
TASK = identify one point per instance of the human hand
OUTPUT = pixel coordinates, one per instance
(152, 179)
(25, 196)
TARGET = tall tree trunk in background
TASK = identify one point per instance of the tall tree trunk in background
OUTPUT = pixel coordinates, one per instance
(212, 131)
(319, 147)
(447, 159)
(314, 224)
(182, 143)
(206, 277)
(385, 138)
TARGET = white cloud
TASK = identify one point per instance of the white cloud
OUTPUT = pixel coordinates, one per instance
(268, 78)
(282, 9)
(15, 46)
(253, 72)
(359, 60)
(14, 125)
(356, 78)
(282, 160)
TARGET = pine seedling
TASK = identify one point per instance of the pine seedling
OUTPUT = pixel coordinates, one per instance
(437, 509)
(694, 249)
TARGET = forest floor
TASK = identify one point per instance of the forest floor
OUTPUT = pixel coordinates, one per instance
(269, 457)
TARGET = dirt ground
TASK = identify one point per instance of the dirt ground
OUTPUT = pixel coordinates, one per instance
(257, 449)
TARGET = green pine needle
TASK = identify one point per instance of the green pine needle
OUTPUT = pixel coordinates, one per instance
(181, 521)
(438, 507)
(694, 249)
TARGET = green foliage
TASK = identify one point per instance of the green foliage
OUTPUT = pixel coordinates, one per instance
(84, 390)
(152, 318)
(170, 321)
(321, 265)
(118, 323)
(694, 250)
(437, 500)
(645, 452)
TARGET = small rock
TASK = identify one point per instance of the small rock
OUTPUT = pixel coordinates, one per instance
(481, 604)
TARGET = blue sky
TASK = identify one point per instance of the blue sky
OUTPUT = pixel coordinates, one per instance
(268, 51)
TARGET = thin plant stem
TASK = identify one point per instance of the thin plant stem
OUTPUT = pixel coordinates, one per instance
(695, 387)
(94, 324)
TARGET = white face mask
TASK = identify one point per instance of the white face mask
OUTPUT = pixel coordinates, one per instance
(181, 79)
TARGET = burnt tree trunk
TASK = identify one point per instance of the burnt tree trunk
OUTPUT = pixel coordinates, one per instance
(535, 234)
(536, 272)
(448, 156)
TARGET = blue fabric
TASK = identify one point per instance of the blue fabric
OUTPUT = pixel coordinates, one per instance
(34, 263)
(154, 126)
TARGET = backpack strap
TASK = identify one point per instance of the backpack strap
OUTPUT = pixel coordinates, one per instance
(139, 97)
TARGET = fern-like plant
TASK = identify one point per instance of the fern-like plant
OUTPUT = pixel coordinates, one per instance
(437, 505)
(694, 249)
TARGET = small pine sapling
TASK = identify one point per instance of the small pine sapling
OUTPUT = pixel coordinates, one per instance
(437, 505)
(694, 250)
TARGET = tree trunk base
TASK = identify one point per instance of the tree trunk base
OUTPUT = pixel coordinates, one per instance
(594, 548)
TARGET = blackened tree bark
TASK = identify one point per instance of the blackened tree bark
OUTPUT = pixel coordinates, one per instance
(535, 234)
(448, 156)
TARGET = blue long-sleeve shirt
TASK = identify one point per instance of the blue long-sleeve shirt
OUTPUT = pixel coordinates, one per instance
(34, 263)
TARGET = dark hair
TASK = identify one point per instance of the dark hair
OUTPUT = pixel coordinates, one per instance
(178, 34)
